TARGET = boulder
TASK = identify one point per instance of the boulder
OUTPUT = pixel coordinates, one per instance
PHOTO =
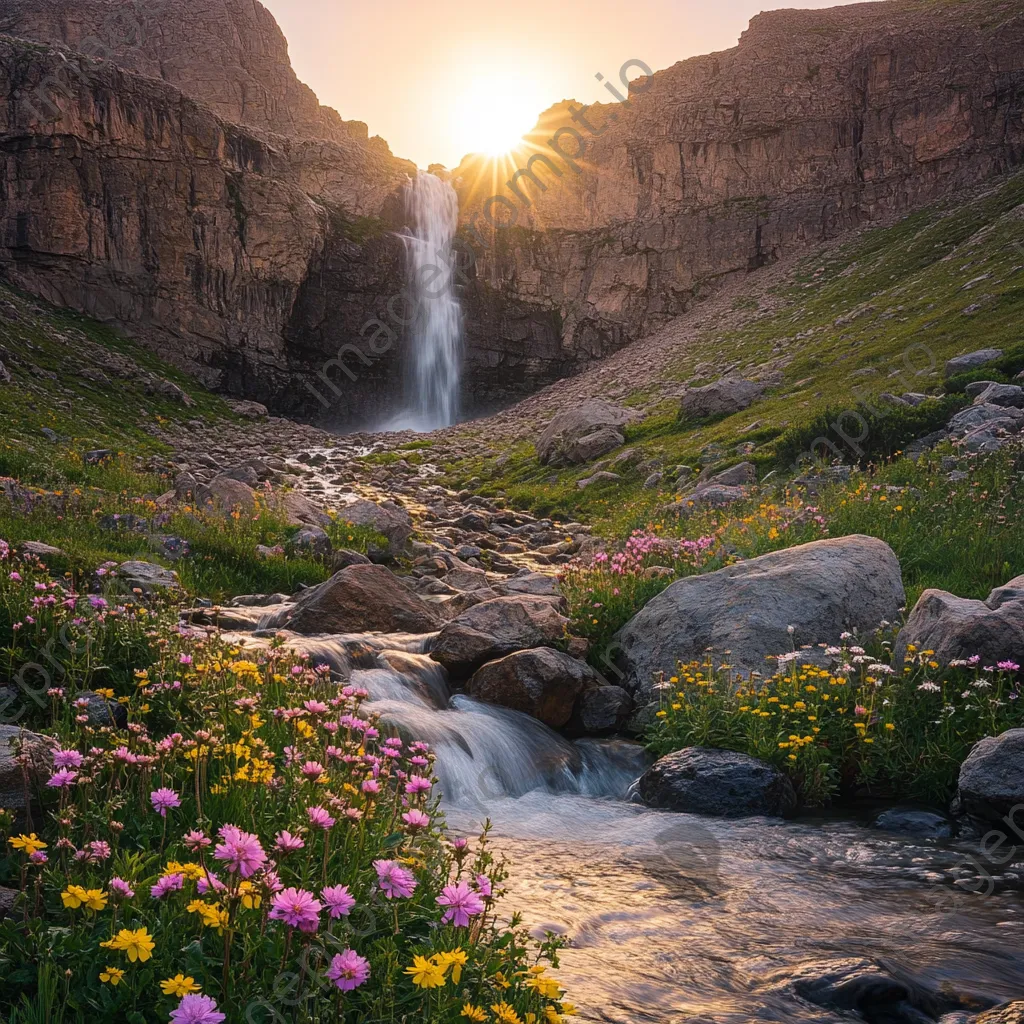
(819, 590)
(977, 387)
(343, 558)
(991, 780)
(960, 627)
(37, 549)
(310, 540)
(976, 415)
(600, 711)
(386, 518)
(1008, 1013)
(496, 628)
(248, 410)
(972, 361)
(101, 711)
(358, 599)
(543, 683)
(596, 420)
(991, 436)
(26, 760)
(1011, 395)
(98, 455)
(602, 477)
(247, 474)
(718, 783)
(743, 474)
(534, 583)
(147, 577)
(728, 395)
(910, 821)
(225, 494)
(300, 511)
(185, 486)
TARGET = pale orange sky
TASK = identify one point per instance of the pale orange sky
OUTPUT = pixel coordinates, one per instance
(436, 79)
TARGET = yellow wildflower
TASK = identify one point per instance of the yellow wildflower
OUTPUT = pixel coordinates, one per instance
(455, 959)
(29, 843)
(474, 1013)
(137, 944)
(425, 973)
(179, 985)
(505, 1013)
(112, 976)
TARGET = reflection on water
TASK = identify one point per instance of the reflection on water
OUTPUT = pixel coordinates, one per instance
(676, 918)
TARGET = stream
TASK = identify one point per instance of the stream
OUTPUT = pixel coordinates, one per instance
(677, 918)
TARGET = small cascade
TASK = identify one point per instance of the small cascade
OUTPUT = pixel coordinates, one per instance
(436, 334)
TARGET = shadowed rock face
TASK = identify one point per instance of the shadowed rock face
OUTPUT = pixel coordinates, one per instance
(816, 123)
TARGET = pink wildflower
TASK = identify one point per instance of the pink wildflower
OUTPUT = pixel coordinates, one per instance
(338, 899)
(241, 851)
(319, 818)
(462, 903)
(297, 908)
(197, 1009)
(348, 970)
(164, 800)
(394, 880)
(285, 842)
(169, 883)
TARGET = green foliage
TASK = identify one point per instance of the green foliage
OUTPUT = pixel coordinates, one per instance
(864, 433)
(863, 723)
(1002, 370)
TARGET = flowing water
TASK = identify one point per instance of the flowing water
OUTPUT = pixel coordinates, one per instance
(675, 918)
(436, 334)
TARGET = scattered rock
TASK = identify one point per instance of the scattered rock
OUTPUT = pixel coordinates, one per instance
(5, 375)
(582, 433)
(653, 482)
(532, 583)
(359, 599)
(246, 474)
(250, 410)
(1011, 395)
(543, 683)
(718, 783)
(386, 518)
(915, 822)
(1008, 1013)
(225, 494)
(959, 627)
(39, 550)
(100, 711)
(819, 589)
(729, 395)
(147, 577)
(126, 522)
(602, 477)
(26, 760)
(494, 629)
(311, 540)
(743, 474)
(301, 511)
(972, 361)
(98, 455)
(343, 558)
(991, 781)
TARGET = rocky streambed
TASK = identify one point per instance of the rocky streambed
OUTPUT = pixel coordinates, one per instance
(671, 916)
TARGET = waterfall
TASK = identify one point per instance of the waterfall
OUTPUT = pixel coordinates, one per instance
(436, 334)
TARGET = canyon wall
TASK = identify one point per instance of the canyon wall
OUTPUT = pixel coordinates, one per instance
(816, 123)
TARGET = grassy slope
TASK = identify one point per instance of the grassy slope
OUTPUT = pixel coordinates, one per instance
(889, 302)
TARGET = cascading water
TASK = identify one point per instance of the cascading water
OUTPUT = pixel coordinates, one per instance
(673, 918)
(436, 333)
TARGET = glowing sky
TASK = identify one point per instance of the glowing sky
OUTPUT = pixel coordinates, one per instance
(444, 78)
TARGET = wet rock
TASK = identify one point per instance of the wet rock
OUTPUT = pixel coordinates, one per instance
(26, 760)
(915, 822)
(972, 361)
(224, 494)
(600, 711)
(718, 783)
(959, 627)
(819, 589)
(863, 987)
(562, 442)
(385, 518)
(147, 577)
(729, 395)
(358, 599)
(101, 711)
(991, 780)
(496, 628)
(543, 683)
(1008, 1013)
(257, 600)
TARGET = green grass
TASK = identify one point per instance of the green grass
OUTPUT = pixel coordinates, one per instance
(889, 302)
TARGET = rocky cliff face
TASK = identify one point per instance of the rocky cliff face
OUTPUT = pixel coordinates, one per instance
(816, 123)
(123, 197)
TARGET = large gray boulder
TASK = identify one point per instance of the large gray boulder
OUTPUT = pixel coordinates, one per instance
(1005, 395)
(972, 361)
(719, 783)
(819, 589)
(600, 711)
(496, 628)
(300, 510)
(960, 627)
(148, 577)
(543, 683)
(991, 780)
(385, 517)
(358, 599)
(728, 395)
(981, 413)
(584, 432)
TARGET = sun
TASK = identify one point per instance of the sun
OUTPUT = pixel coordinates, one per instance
(493, 111)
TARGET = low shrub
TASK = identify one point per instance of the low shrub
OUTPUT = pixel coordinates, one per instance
(861, 723)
